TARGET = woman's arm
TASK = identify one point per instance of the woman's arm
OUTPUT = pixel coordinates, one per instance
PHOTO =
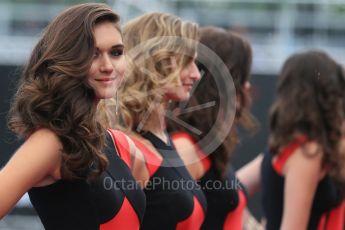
(249, 175)
(302, 174)
(36, 159)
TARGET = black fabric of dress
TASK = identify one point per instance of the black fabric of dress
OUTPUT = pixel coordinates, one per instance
(326, 196)
(170, 196)
(221, 195)
(79, 205)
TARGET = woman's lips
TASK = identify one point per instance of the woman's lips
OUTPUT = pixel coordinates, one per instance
(105, 81)
(188, 86)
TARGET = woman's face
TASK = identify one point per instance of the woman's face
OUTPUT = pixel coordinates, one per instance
(108, 65)
(188, 75)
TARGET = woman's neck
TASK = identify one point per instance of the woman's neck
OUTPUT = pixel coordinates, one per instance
(157, 123)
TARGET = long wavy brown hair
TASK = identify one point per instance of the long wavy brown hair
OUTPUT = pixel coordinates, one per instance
(53, 91)
(235, 51)
(310, 101)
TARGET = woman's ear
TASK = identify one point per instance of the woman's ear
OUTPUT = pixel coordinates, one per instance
(238, 102)
(247, 89)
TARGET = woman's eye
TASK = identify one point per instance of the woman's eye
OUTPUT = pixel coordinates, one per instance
(116, 53)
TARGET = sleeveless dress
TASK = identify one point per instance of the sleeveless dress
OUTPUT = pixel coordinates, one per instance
(112, 201)
(328, 208)
(174, 199)
(226, 198)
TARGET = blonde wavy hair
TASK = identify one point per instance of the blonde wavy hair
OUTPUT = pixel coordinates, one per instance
(158, 46)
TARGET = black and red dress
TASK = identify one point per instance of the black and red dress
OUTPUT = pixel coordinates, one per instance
(112, 201)
(226, 197)
(174, 199)
(328, 208)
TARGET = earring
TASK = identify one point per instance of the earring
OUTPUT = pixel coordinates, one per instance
(117, 104)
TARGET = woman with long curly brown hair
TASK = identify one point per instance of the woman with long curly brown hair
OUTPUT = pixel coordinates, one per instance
(161, 67)
(303, 172)
(68, 163)
(225, 204)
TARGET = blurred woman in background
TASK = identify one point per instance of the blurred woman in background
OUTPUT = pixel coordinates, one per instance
(225, 204)
(303, 172)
